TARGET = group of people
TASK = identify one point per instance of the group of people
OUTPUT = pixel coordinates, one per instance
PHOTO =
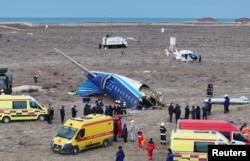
(118, 109)
(195, 112)
(125, 132)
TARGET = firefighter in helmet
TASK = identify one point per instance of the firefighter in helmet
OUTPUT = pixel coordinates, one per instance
(163, 134)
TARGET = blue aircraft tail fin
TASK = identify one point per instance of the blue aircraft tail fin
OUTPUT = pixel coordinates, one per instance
(87, 88)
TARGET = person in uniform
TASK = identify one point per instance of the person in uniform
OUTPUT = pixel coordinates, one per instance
(140, 138)
(132, 130)
(163, 134)
(150, 148)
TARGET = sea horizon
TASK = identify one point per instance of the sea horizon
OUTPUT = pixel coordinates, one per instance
(53, 20)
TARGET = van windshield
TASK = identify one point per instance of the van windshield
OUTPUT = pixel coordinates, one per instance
(66, 132)
(33, 104)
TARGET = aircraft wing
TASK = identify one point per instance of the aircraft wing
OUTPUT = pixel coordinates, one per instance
(87, 88)
(240, 100)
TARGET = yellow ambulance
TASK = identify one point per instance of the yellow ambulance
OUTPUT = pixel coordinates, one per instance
(82, 133)
(20, 107)
(192, 145)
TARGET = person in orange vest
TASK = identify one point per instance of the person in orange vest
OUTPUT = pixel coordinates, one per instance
(245, 130)
(119, 122)
(150, 148)
(140, 138)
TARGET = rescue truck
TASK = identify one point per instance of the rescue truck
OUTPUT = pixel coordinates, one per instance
(192, 145)
(228, 129)
(113, 42)
(21, 107)
(82, 133)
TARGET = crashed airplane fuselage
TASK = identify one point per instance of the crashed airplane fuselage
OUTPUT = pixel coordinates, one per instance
(116, 86)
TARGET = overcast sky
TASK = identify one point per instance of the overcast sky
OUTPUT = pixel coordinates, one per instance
(126, 8)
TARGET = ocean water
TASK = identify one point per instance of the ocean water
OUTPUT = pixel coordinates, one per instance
(44, 20)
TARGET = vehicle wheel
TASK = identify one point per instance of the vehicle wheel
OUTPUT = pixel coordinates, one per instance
(75, 150)
(105, 143)
(41, 117)
(6, 119)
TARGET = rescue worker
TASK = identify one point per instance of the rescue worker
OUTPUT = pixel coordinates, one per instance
(119, 122)
(170, 111)
(115, 108)
(150, 148)
(170, 155)
(163, 134)
(124, 108)
(35, 77)
(120, 155)
(132, 130)
(140, 138)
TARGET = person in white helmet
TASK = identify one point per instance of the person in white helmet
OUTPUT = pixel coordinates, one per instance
(163, 134)
(132, 130)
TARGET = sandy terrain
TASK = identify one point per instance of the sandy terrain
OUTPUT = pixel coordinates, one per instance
(27, 50)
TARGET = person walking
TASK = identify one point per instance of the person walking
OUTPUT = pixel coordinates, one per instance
(150, 148)
(120, 155)
(132, 130)
(170, 155)
(62, 114)
(170, 111)
(73, 111)
(163, 134)
(125, 133)
(140, 138)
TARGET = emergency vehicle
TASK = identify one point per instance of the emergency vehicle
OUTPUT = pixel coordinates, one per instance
(113, 42)
(192, 145)
(20, 107)
(82, 133)
(228, 129)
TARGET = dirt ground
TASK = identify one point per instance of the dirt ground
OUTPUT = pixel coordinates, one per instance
(26, 50)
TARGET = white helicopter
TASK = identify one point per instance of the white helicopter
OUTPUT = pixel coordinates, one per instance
(183, 55)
